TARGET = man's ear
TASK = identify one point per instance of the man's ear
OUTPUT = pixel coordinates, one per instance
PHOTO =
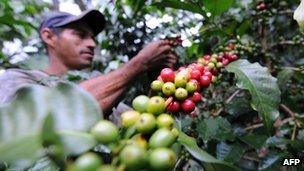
(48, 37)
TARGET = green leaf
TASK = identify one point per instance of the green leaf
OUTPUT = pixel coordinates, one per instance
(277, 142)
(263, 88)
(21, 151)
(26, 117)
(300, 61)
(128, 133)
(75, 143)
(230, 152)
(49, 135)
(246, 24)
(188, 6)
(300, 135)
(217, 7)
(190, 144)
(283, 77)
(297, 144)
(69, 142)
(215, 128)
(273, 161)
(238, 106)
(230, 29)
(44, 164)
(183, 122)
(137, 5)
(76, 109)
(254, 141)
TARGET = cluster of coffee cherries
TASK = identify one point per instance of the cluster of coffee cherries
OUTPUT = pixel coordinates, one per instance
(182, 87)
(150, 147)
(179, 87)
(216, 61)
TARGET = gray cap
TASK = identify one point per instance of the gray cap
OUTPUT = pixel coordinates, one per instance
(94, 19)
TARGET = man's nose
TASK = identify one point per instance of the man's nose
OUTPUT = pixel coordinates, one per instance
(90, 42)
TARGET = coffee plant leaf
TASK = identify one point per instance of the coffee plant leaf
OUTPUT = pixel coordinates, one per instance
(191, 146)
(264, 90)
(217, 7)
(188, 6)
(22, 129)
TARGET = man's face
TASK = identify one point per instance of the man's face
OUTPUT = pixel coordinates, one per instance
(75, 46)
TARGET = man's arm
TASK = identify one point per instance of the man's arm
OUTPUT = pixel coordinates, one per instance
(107, 88)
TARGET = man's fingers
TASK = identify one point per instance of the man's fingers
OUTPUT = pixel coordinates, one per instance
(171, 58)
(173, 61)
(164, 42)
(164, 48)
(168, 64)
(172, 52)
(171, 55)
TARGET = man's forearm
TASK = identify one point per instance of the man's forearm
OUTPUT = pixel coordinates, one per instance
(107, 88)
(107, 102)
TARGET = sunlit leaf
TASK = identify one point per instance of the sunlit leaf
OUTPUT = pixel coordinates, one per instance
(217, 7)
(180, 5)
(263, 88)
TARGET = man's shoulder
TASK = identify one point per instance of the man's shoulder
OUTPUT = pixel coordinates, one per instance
(28, 76)
(13, 79)
(16, 77)
(22, 73)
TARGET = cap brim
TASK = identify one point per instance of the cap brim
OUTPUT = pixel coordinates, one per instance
(95, 20)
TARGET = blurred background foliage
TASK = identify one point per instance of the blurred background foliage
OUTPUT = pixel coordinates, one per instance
(227, 126)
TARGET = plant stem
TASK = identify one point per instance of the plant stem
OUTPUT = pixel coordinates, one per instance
(226, 102)
(258, 125)
(232, 96)
(250, 158)
(286, 42)
(254, 126)
(178, 162)
(290, 113)
(294, 132)
(287, 110)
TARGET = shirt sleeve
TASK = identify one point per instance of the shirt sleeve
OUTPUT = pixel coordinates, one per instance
(10, 82)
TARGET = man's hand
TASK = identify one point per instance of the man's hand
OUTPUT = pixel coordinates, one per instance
(155, 54)
(171, 59)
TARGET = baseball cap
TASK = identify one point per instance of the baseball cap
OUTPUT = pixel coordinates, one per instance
(94, 19)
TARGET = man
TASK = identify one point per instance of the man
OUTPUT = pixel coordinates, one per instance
(70, 44)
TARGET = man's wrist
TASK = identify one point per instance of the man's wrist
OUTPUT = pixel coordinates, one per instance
(136, 63)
